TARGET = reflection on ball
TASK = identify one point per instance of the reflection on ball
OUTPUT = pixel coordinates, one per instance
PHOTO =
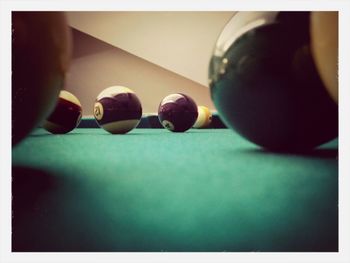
(117, 109)
(204, 117)
(66, 115)
(41, 47)
(324, 44)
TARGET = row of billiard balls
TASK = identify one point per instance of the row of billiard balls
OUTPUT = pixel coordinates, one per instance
(118, 110)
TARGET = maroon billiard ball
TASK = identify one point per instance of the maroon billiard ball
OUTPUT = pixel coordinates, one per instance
(41, 51)
(66, 115)
(177, 112)
(117, 109)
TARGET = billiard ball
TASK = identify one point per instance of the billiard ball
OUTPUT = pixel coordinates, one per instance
(41, 49)
(117, 109)
(204, 117)
(324, 47)
(66, 115)
(177, 112)
(265, 85)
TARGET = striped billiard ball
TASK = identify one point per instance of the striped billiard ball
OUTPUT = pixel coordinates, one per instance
(204, 118)
(66, 115)
(117, 109)
(177, 112)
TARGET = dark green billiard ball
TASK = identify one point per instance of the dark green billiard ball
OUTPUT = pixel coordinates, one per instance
(265, 85)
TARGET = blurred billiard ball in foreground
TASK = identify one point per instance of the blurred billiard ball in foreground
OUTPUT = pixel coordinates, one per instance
(324, 44)
(204, 118)
(117, 109)
(66, 115)
(265, 85)
(41, 48)
(177, 112)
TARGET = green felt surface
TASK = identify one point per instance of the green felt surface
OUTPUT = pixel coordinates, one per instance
(153, 190)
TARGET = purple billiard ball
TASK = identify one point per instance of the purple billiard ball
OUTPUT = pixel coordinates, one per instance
(177, 112)
(117, 109)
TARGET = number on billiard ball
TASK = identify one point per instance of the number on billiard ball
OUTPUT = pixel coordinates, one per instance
(117, 109)
(177, 112)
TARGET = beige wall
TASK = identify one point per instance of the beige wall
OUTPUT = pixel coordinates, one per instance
(181, 42)
(97, 65)
(153, 53)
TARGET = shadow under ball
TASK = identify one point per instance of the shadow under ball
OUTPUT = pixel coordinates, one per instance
(265, 85)
(41, 51)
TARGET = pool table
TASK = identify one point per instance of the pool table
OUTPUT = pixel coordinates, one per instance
(151, 190)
